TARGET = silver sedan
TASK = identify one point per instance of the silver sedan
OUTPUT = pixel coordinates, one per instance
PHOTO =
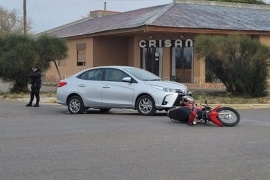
(125, 87)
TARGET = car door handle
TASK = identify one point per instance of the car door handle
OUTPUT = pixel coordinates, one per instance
(106, 87)
(81, 85)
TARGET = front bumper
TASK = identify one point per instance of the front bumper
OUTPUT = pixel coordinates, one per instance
(178, 99)
(171, 100)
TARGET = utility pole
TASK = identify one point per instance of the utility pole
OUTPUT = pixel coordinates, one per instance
(24, 17)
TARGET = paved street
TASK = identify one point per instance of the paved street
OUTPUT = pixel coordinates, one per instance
(47, 143)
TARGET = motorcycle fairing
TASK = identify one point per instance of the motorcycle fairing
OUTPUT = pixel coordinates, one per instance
(213, 116)
(216, 108)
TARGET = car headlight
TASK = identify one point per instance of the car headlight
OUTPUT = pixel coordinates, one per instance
(164, 89)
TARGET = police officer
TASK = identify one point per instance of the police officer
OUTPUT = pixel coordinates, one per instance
(35, 80)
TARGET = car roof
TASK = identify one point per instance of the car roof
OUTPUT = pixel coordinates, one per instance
(98, 67)
(118, 67)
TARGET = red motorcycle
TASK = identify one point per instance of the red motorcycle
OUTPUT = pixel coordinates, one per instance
(191, 113)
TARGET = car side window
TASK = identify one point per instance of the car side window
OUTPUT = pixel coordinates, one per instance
(83, 76)
(94, 74)
(115, 75)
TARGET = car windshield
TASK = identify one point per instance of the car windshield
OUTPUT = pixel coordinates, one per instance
(142, 74)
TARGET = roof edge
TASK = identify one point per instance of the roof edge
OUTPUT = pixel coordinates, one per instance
(225, 4)
(62, 26)
(159, 13)
(158, 29)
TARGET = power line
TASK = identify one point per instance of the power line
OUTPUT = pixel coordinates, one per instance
(39, 15)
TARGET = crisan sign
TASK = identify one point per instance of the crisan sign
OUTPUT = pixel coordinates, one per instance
(165, 43)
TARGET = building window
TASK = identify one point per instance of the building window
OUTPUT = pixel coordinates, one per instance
(81, 54)
(151, 60)
(183, 57)
(62, 62)
(182, 63)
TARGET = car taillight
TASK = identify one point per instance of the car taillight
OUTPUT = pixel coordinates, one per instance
(62, 83)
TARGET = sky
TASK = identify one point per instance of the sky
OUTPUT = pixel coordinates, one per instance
(48, 14)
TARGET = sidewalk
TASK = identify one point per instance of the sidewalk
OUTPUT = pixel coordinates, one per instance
(52, 100)
(43, 100)
(48, 96)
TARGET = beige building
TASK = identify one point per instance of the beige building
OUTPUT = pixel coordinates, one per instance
(158, 39)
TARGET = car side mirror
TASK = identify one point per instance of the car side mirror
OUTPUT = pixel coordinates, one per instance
(127, 79)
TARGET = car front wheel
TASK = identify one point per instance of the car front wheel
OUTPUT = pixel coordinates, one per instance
(146, 105)
(75, 105)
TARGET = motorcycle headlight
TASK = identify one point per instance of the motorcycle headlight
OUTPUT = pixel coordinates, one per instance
(164, 89)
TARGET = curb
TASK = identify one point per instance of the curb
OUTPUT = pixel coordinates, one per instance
(52, 100)
(42, 100)
(242, 106)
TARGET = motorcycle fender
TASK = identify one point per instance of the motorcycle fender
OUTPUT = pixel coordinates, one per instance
(216, 108)
(191, 117)
(213, 117)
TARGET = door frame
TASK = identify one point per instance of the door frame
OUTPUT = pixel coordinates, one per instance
(173, 63)
(158, 50)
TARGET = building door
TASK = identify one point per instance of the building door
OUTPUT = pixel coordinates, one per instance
(182, 64)
(152, 60)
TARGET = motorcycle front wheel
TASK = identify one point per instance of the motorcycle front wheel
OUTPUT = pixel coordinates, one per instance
(228, 116)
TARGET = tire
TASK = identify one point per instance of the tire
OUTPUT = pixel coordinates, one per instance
(145, 105)
(230, 120)
(104, 109)
(75, 105)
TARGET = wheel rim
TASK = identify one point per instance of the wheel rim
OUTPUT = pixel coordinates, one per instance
(74, 105)
(145, 106)
(227, 116)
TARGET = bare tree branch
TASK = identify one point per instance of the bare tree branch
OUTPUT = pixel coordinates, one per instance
(12, 22)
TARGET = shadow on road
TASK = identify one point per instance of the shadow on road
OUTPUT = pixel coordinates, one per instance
(116, 112)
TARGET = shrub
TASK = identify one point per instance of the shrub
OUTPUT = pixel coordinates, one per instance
(239, 61)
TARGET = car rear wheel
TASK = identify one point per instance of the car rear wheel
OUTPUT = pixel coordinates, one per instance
(146, 105)
(75, 105)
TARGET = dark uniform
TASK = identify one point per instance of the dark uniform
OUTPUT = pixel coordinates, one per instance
(35, 80)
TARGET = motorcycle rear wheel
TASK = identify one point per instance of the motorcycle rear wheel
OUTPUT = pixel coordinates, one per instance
(228, 116)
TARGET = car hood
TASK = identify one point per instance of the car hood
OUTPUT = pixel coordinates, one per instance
(167, 84)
